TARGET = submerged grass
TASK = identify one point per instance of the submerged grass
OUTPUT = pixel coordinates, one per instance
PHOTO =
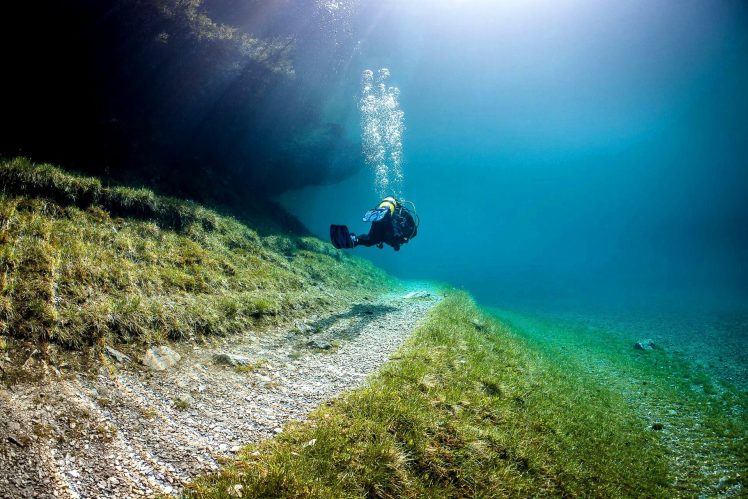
(81, 263)
(466, 410)
(702, 420)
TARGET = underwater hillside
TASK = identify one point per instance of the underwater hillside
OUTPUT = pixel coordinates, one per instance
(339, 248)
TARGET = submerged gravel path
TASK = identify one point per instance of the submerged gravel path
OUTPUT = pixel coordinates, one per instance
(140, 433)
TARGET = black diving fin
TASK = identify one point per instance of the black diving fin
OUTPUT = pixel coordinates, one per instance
(340, 237)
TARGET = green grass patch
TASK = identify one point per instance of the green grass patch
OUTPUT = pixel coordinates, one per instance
(466, 410)
(84, 264)
(248, 368)
(181, 404)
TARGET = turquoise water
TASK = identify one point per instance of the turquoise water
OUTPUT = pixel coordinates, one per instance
(559, 152)
(585, 156)
(580, 167)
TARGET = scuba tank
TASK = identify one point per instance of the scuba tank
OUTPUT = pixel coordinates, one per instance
(405, 221)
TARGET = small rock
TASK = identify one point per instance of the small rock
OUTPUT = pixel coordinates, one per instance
(645, 345)
(304, 328)
(479, 325)
(320, 344)
(417, 294)
(223, 447)
(160, 358)
(14, 426)
(116, 355)
(309, 443)
(230, 359)
(15, 441)
(723, 483)
(277, 430)
(235, 490)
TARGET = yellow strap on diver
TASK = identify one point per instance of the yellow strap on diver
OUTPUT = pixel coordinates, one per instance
(390, 203)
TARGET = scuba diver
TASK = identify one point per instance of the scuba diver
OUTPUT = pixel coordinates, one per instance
(391, 223)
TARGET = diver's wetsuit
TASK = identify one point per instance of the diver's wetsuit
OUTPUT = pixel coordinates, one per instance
(393, 230)
(380, 232)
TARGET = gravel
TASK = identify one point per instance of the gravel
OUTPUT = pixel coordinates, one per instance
(121, 434)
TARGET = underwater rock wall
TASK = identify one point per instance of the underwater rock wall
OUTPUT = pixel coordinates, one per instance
(169, 93)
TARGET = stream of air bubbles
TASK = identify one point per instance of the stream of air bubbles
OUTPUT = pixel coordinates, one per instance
(382, 126)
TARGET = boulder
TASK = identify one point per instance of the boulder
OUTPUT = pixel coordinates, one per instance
(645, 344)
(160, 358)
(320, 344)
(229, 359)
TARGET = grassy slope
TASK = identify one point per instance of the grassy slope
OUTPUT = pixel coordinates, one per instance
(83, 264)
(467, 409)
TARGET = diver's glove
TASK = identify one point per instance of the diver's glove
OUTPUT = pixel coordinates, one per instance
(376, 214)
